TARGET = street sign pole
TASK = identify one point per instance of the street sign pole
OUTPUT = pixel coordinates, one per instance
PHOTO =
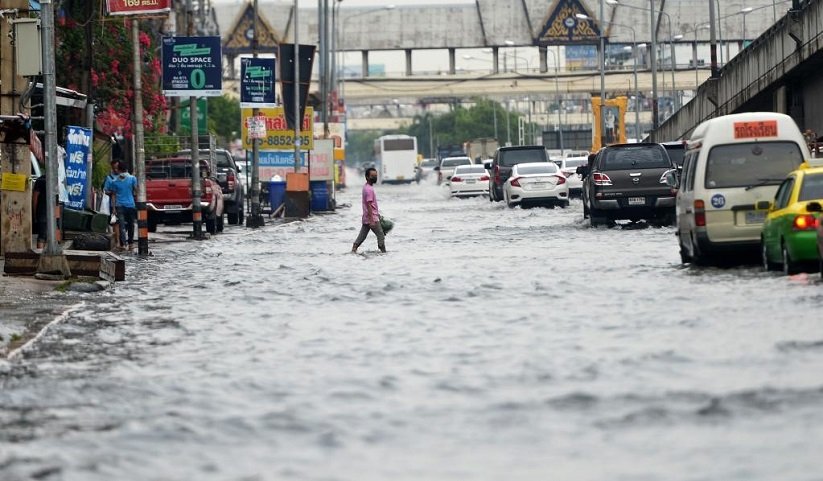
(255, 218)
(139, 146)
(196, 191)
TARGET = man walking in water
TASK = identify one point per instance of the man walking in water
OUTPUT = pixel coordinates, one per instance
(371, 214)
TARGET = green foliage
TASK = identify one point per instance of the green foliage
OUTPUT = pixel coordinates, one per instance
(224, 117)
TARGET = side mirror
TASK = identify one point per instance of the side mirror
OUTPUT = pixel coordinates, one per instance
(672, 180)
(814, 207)
(765, 205)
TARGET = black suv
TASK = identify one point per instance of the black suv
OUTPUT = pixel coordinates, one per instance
(628, 181)
(504, 159)
(230, 180)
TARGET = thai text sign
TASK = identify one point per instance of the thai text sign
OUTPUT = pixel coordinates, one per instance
(278, 135)
(257, 82)
(137, 7)
(78, 148)
(192, 67)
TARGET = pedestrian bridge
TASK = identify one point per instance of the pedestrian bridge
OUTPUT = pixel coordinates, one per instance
(777, 72)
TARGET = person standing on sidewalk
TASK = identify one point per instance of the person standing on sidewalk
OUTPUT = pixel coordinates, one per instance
(371, 214)
(123, 188)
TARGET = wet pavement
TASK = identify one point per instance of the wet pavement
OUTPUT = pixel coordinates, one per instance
(488, 344)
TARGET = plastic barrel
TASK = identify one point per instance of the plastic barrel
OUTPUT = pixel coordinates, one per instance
(277, 194)
(319, 195)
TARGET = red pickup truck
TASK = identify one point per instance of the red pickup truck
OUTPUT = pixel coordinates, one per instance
(168, 194)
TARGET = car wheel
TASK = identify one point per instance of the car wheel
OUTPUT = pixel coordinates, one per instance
(767, 264)
(789, 266)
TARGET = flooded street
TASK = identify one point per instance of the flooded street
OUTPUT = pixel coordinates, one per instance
(488, 344)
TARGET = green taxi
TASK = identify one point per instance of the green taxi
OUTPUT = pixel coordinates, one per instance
(789, 237)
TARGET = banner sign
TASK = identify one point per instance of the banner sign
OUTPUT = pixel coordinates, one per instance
(321, 161)
(257, 82)
(138, 7)
(278, 135)
(192, 67)
(277, 162)
(78, 150)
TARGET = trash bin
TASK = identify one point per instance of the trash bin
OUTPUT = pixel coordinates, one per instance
(319, 195)
(277, 194)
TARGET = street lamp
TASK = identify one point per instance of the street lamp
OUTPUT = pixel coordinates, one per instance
(745, 12)
(343, 32)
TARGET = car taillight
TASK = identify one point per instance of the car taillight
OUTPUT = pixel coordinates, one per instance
(497, 174)
(484, 178)
(699, 213)
(805, 222)
(561, 180)
(231, 180)
(456, 179)
(516, 182)
(601, 179)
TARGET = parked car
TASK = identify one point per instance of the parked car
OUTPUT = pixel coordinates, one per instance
(231, 182)
(733, 163)
(169, 194)
(629, 182)
(676, 151)
(568, 166)
(539, 183)
(790, 237)
(447, 166)
(469, 180)
(505, 159)
(425, 169)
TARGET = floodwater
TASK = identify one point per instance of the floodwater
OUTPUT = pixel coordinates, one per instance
(488, 344)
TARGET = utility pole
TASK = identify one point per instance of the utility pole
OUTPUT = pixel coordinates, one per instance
(255, 218)
(298, 118)
(139, 146)
(52, 262)
(196, 191)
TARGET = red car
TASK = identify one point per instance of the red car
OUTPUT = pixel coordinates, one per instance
(169, 195)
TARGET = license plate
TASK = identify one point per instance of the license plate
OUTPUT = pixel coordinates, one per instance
(637, 201)
(173, 207)
(755, 217)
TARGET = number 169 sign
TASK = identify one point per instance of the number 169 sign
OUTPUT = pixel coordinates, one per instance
(192, 67)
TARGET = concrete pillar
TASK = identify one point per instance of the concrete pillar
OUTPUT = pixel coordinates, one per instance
(452, 66)
(408, 62)
(780, 102)
(365, 63)
(496, 59)
(544, 62)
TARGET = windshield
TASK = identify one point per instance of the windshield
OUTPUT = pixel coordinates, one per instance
(470, 169)
(639, 157)
(509, 158)
(812, 188)
(456, 162)
(537, 169)
(751, 163)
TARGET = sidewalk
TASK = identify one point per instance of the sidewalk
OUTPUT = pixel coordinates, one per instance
(26, 305)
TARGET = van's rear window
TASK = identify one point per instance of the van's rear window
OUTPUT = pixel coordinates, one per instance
(751, 164)
(639, 157)
(812, 188)
(509, 158)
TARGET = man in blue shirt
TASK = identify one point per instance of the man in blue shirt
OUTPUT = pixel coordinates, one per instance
(122, 187)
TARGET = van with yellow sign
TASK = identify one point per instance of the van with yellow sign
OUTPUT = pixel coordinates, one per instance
(732, 163)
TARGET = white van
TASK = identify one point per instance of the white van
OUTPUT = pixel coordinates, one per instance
(732, 163)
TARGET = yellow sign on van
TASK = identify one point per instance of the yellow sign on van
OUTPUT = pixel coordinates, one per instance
(14, 182)
(278, 136)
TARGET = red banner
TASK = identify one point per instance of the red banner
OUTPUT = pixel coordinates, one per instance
(138, 7)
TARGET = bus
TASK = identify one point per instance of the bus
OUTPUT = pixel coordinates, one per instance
(395, 157)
